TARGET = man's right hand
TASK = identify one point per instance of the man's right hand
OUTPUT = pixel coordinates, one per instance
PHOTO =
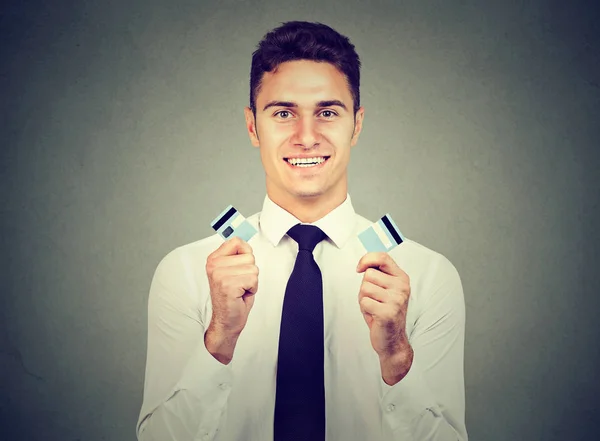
(233, 281)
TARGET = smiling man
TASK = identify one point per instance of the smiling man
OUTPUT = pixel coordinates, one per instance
(299, 334)
(305, 126)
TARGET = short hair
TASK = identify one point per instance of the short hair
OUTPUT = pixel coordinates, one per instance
(301, 40)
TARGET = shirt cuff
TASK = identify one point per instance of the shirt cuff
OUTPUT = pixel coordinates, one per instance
(404, 401)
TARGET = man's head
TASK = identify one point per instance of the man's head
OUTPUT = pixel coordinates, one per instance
(305, 103)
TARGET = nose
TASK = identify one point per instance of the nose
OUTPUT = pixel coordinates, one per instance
(306, 133)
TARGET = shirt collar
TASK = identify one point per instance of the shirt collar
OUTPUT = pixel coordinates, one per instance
(338, 224)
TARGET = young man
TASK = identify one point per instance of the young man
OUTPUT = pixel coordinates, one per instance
(382, 333)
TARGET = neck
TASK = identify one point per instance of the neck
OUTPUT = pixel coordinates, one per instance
(308, 209)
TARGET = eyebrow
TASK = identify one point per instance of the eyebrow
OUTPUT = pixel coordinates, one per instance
(326, 103)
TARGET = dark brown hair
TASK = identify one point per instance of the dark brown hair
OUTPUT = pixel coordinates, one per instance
(301, 40)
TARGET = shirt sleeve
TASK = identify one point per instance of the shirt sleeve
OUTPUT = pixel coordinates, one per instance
(428, 404)
(185, 388)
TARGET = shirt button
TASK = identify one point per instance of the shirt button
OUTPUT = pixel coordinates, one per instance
(223, 386)
(391, 407)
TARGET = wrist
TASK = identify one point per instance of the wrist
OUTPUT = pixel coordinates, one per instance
(220, 344)
(394, 367)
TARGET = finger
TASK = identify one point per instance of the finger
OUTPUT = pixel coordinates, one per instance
(249, 282)
(370, 260)
(235, 260)
(378, 278)
(232, 246)
(371, 307)
(380, 260)
(368, 289)
(227, 272)
(239, 285)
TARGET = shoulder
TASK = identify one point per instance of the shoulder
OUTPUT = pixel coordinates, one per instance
(180, 269)
(437, 284)
(434, 272)
(429, 258)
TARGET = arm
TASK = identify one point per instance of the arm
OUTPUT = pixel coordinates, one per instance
(186, 388)
(428, 403)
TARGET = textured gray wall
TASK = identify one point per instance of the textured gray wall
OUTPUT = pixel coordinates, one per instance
(123, 136)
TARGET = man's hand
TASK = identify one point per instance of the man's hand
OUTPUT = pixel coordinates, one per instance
(233, 280)
(383, 300)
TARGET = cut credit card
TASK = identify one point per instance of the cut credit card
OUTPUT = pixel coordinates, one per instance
(382, 236)
(230, 223)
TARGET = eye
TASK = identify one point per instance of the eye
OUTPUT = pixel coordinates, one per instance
(281, 113)
(328, 114)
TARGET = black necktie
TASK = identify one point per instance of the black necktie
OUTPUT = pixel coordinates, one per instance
(300, 394)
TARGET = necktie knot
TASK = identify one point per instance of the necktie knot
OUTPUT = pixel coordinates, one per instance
(307, 236)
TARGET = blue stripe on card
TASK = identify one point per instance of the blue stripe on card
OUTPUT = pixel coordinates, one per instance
(371, 241)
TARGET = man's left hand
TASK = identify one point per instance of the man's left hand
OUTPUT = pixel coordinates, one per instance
(383, 300)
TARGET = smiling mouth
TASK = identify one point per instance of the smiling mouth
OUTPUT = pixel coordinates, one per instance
(306, 162)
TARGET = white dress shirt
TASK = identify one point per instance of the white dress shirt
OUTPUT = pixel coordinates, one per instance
(189, 395)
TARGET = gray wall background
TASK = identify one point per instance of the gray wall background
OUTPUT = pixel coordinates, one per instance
(123, 136)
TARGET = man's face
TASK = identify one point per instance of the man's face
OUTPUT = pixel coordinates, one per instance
(304, 112)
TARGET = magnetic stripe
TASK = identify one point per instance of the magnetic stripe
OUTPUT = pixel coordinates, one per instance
(224, 219)
(391, 229)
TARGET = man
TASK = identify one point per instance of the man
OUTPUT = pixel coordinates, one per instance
(386, 357)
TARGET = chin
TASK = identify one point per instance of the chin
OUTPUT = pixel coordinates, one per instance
(307, 193)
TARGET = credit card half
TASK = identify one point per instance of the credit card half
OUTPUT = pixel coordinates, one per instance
(230, 223)
(382, 236)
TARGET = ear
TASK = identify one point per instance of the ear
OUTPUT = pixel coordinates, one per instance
(360, 114)
(251, 126)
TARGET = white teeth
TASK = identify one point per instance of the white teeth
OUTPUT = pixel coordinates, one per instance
(306, 162)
